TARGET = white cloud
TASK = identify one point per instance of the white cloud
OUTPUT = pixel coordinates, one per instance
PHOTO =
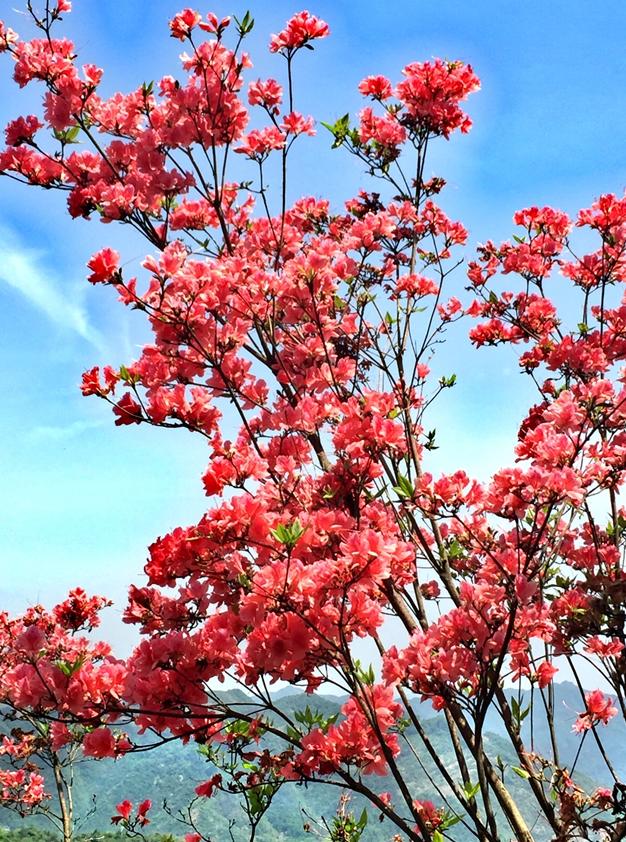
(23, 270)
(61, 433)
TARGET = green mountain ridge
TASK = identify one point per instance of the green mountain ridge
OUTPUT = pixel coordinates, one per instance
(170, 773)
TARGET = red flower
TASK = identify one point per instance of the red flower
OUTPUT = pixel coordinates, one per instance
(99, 743)
(300, 29)
(260, 142)
(206, 789)
(22, 130)
(545, 673)
(104, 266)
(378, 87)
(124, 809)
(600, 709)
(142, 809)
(182, 23)
(267, 93)
(128, 411)
(431, 94)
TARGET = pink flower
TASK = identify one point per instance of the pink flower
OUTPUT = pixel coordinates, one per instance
(545, 673)
(432, 91)
(378, 87)
(104, 266)
(93, 74)
(182, 23)
(32, 640)
(385, 130)
(430, 590)
(260, 142)
(61, 735)
(296, 124)
(525, 589)
(268, 94)
(213, 24)
(128, 411)
(600, 709)
(415, 286)
(22, 130)
(300, 29)
(79, 611)
(99, 743)
(612, 648)
(91, 384)
(429, 813)
(18, 787)
(125, 809)
(8, 38)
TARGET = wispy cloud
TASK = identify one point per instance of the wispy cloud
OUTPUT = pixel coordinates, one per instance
(61, 433)
(23, 270)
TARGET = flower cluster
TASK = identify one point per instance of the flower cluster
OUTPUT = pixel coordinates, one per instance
(52, 670)
(353, 740)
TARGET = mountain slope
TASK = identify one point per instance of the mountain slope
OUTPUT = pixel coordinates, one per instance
(170, 773)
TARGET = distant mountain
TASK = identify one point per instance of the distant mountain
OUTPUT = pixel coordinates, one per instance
(567, 704)
(170, 773)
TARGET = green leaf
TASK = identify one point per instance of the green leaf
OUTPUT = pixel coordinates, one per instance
(245, 25)
(519, 714)
(447, 382)
(430, 440)
(470, 790)
(67, 135)
(314, 719)
(339, 129)
(68, 668)
(289, 535)
(366, 676)
(127, 376)
(256, 803)
(521, 773)
(404, 488)
(244, 580)
(449, 820)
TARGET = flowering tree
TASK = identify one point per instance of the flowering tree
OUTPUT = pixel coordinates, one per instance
(56, 691)
(316, 326)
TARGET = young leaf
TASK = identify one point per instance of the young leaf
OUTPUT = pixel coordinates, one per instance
(404, 488)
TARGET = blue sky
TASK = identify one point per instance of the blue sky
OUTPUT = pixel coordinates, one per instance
(80, 499)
